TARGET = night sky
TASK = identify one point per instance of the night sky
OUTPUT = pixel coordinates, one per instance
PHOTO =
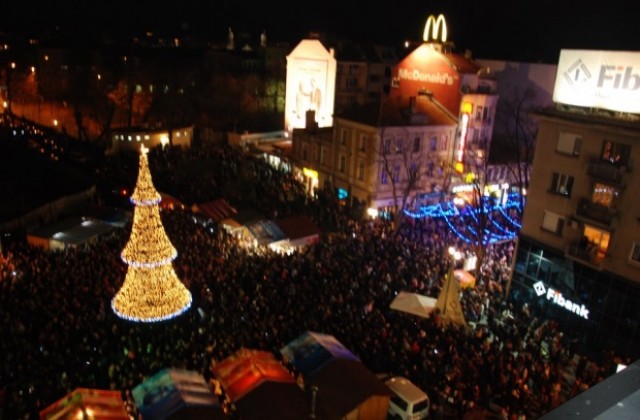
(525, 30)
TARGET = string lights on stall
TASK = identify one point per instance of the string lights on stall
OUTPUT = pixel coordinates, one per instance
(151, 290)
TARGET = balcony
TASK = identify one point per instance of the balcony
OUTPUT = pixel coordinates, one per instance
(584, 255)
(595, 212)
(605, 170)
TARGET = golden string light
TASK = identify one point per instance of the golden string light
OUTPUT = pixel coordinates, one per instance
(151, 290)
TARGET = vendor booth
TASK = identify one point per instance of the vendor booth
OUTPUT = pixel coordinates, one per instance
(414, 303)
(176, 394)
(260, 387)
(345, 388)
(87, 403)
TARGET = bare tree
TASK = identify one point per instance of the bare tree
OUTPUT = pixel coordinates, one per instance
(402, 169)
(520, 132)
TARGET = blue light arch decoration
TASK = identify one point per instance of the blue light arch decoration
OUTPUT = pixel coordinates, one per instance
(501, 224)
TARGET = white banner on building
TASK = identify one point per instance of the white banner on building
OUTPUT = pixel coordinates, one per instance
(599, 79)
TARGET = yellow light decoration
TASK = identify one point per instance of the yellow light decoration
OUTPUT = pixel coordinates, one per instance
(151, 290)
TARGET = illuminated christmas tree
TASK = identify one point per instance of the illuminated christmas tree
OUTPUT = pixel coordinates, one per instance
(151, 290)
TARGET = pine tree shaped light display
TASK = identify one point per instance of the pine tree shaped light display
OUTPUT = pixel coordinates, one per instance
(151, 290)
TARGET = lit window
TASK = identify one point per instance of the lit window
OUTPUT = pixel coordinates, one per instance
(137, 138)
(598, 237)
(615, 152)
(605, 195)
(561, 184)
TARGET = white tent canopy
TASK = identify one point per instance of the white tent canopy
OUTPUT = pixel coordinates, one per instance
(414, 303)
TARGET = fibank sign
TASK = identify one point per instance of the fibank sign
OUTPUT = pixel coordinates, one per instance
(599, 79)
(555, 297)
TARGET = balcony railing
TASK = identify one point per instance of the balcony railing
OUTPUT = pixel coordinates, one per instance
(596, 212)
(585, 255)
(606, 170)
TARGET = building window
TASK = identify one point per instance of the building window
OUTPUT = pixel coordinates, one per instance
(416, 144)
(615, 152)
(362, 146)
(478, 113)
(598, 237)
(383, 177)
(343, 137)
(315, 152)
(552, 222)
(323, 155)
(485, 114)
(635, 253)
(396, 173)
(444, 140)
(605, 195)
(342, 163)
(386, 146)
(433, 143)
(399, 144)
(361, 170)
(304, 151)
(561, 184)
(569, 144)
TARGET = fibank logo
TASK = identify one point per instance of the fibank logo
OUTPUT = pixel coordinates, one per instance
(577, 73)
(557, 298)
(609, 76)
(418, 76)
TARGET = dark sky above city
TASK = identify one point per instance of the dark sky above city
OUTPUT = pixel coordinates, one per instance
(527, 30)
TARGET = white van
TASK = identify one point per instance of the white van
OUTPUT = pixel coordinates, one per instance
(408, 402)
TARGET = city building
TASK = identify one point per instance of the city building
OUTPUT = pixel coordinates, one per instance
(310, 86)
(461, 85)
(379, 150)
(578, 257)
(428, 137)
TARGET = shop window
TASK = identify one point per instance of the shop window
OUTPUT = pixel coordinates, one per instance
(561, 184)
(616, 153)
(605, 195)
(634, 256)
(552, 222)
(569, 144)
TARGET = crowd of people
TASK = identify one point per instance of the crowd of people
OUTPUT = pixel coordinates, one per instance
(59, 332)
